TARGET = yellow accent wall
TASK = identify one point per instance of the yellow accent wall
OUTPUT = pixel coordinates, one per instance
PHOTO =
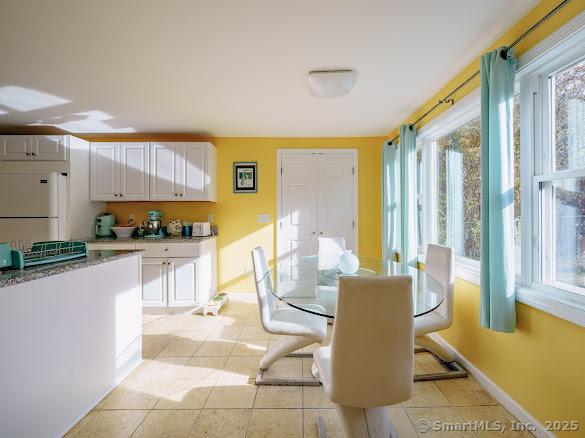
(236, 214)
(542, 364)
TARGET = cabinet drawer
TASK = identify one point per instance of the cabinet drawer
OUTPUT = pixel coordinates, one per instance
(171, 249)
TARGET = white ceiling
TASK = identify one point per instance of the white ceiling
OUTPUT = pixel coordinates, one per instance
(234, 68)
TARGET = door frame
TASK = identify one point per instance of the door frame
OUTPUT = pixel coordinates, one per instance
(279, 155)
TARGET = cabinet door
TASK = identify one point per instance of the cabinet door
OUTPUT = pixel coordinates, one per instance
(193, 172)
(134, 172)
(164, 171)
(154, 282)
(182, 281)
(104, 172)
(49, 148)
(15, 147)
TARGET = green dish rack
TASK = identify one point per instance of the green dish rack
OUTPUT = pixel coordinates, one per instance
(42, 253)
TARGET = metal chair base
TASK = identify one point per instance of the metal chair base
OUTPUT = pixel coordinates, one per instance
(285, 381)
(274, 381)
(452, 369)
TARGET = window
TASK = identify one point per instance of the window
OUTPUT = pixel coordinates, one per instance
(549, 178)
(561, 203)
(517, 186)
(419, 199)
(459, 189)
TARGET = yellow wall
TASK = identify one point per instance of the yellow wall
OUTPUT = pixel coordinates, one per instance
(541, 365)
(236, 214)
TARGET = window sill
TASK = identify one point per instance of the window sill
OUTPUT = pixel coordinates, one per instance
(569, 310)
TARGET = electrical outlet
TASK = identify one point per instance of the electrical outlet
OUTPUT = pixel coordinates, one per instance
(131, 219)
(263, 218)
(210, 218)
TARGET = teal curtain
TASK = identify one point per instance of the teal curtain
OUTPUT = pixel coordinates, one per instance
(408, 221)
(390, 187)
(498, 311)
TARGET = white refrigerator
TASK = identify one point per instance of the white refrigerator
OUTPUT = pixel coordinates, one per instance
(33, 207)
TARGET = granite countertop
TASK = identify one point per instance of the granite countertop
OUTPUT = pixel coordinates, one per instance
(17, 276)
(166, 239)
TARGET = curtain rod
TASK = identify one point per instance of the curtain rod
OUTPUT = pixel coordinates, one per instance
(449, 99)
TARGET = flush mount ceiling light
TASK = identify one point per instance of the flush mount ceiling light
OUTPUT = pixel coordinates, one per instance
(330, 83)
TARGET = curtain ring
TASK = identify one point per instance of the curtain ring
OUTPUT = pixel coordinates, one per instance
(504, 54)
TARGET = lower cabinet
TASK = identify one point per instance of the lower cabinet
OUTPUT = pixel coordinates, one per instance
(182, 282)
(174, 275)
(176, 281)
(154, 282)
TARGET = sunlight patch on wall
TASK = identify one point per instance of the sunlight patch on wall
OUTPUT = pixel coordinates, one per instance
(26, 99)
(236, 260)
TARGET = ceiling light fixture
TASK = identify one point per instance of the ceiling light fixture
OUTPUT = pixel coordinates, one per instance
(330, 83)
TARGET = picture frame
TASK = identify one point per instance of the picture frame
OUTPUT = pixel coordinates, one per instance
(245, 177)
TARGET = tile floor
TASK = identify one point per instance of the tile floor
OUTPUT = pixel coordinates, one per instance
(197, 380)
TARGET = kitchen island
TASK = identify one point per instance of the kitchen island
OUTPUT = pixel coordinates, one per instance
(69, 333)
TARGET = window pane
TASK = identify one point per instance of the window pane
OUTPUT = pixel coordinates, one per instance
(568, 90)
(517, 192)
(419, 198)
(459, 189)
(564, 221)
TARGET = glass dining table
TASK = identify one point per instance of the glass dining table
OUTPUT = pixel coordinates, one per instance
(310, 280)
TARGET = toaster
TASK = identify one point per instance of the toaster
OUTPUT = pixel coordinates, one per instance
(201, 229)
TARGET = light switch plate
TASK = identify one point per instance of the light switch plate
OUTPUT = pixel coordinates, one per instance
(263, 218)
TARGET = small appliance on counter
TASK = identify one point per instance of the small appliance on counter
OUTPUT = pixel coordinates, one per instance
(201, 229)
(153, 226)
(103, 225)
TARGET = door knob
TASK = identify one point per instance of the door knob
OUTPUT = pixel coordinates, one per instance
(321, 233)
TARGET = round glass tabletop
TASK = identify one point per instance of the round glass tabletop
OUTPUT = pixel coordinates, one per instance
(311, 280)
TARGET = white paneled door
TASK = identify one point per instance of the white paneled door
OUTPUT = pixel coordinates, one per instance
(317, 197)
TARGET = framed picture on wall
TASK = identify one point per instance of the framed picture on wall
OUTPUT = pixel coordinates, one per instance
(245, 177)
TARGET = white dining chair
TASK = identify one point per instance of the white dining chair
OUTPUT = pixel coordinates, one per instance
(369, 364)
(439, 265)
(298, 329)
(329, 249)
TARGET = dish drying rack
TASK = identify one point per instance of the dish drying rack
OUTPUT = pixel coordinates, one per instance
(42, 253)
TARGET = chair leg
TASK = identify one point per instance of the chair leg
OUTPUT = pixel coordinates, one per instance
(427, 343)
(282, 348)
(365, 423)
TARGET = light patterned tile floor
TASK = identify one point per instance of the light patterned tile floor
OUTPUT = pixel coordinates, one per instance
(196, 380)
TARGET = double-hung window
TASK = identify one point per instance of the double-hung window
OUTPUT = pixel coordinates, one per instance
(549, 177)
(553, 274)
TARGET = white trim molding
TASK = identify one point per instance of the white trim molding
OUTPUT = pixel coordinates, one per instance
(495, 391)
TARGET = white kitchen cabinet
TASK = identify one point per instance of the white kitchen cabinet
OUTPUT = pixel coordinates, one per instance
(182, 281)
(183, 171)
(119, 171)
(154, 282)
(175, 273)
(34, 147)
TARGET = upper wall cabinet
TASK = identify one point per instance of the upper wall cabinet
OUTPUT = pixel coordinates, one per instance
(34, 147)
(182, 171)
(119, 171)
(176, 171)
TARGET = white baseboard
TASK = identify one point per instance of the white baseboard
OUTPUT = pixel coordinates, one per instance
(495, 391)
